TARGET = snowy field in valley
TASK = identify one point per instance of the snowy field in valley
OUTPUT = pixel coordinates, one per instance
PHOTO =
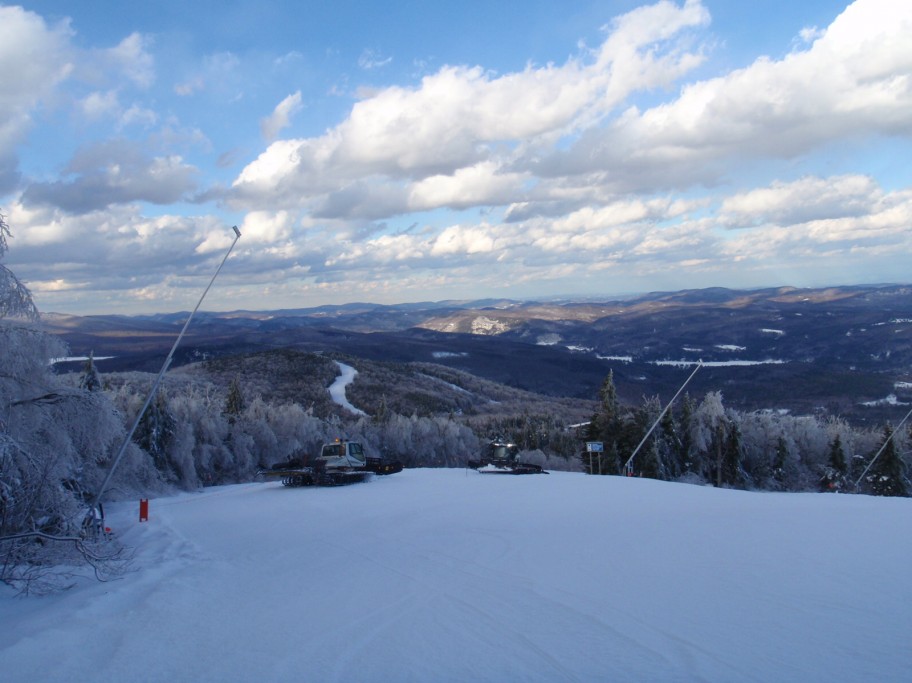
(450, 575)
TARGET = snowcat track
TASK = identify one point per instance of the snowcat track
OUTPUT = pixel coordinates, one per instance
(495, 467)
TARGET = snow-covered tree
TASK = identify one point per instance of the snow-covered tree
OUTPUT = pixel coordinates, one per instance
(707, 432)
(90, 380)
(15, 298)
(887, 476)
(156, 432)
(56, 441)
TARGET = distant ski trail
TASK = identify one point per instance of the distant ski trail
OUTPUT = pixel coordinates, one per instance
(337, 388)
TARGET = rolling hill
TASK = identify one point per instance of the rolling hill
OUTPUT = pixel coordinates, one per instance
(845, 350)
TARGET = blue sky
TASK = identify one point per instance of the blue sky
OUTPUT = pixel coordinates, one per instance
(409, 151)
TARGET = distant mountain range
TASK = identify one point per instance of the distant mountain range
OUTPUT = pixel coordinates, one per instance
(847, 350)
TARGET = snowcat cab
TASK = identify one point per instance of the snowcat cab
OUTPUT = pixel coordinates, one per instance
(500, 451)
(343, 455)
(503, 458)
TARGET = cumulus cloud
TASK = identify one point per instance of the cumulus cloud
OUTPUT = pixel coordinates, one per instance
(854, 80)
(609, 171)
(869, 245)
(115, 172)
(280, 118)
(477, 185)
(132, 57)
(464, 116)
(34, 59)
(801, 201)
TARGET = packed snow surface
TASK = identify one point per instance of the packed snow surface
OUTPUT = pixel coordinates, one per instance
(337, 388)
(451, 575)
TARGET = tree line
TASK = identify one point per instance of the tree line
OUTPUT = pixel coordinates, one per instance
(705, 442)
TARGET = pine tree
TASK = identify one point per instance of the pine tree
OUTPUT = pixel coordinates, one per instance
(888, 475)
(686, 442)
(156, 431)
(90, 380)
(671, 445)
(234, 402)
(605, 426)
(382, 415)
(732, 472)
(649, 459)
(610, 408)
(834, 473)
(780, 458)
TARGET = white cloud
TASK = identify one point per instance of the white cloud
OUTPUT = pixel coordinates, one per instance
(99, 105)
(137, 115)
(106, 105)
(190, 86)
(266, 227)
(855, 80)
(462, 117)
(371, 59)
(280, 118)
(116, 172)
(562, 177)
(811, 33)
(802, 201)
(34, 59)
(464, 240)
(477, 185)
(132, 57)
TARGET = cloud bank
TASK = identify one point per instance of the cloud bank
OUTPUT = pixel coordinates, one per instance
(633, 164)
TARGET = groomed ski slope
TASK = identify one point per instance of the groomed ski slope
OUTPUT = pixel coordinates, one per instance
(448, 575)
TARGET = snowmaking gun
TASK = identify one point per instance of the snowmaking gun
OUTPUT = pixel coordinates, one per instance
(503, 458)
(341, 462)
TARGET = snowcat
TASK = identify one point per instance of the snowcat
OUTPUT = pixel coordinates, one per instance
(340, 462)
(503, 458)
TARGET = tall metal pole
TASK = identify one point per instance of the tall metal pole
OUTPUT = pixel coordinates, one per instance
(126, 442)
(659, 418)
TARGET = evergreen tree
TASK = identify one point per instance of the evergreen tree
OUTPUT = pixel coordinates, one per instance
(609, 460)
(605, 426)
(610, 408)
(90, 380)
(732, 473)
(888, 475)
(837, 456)
(836, 469)
(780, 458)
(685, 457)
(156, 431)
(649, 460)
(671, 443)
(382, 415)
(234, 402)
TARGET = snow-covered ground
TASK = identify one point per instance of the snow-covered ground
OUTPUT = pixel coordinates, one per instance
(718, 363)
(337, 388)
(449, 575)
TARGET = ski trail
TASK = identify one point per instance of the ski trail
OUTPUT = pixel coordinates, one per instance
(337, 388)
